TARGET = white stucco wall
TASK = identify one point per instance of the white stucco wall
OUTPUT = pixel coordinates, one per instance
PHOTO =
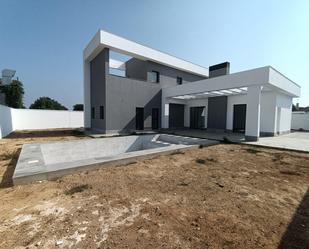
(271, 104)
(268, 112)
(300, 120)
(284, 112)
(6, 126)
(28, 119)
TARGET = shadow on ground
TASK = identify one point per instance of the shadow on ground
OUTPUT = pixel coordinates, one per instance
(297, 233)
(7, 179)
(45, 133)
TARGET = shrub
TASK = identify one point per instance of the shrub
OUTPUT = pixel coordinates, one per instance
(47, 104)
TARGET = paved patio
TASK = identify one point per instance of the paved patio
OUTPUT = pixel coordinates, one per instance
(294, 141)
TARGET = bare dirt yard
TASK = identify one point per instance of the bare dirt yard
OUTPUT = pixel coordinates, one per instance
(223, 196)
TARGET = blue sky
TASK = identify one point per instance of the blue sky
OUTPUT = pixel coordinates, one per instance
(43, 40)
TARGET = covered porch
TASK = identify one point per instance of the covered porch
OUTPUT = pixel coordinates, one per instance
(255, 102)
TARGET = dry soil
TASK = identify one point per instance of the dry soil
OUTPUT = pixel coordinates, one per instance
(223, 196)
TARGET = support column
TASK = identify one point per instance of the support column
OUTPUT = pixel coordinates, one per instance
(253, 113)
(165, 113)
(87, 104)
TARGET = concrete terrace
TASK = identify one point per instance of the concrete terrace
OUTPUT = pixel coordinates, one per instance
(298, 141)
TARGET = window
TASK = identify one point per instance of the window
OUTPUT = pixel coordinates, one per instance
(92, 112)
(155, 77)
(179, 80)
(101, 112)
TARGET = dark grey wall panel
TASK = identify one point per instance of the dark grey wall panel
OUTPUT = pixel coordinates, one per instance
(123, 96)
(99, 67)
(136, 69)
(168, 75)
(2, 98)
(219, 69)
(217, 109)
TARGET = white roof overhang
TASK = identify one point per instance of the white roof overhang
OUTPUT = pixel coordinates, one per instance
(236, 83)
(104, 39)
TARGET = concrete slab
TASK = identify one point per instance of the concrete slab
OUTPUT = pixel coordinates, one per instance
(50, 160)
(298, 141)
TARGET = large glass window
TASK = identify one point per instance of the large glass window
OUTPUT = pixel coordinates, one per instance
(155, 77)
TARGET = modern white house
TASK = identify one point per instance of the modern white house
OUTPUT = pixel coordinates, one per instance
(158, 91)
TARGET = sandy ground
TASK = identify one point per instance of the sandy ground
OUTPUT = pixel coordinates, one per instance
(224, 196)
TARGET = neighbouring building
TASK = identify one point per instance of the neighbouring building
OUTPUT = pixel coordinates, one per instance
(154, 90)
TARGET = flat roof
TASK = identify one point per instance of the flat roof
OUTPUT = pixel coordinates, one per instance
(264, 76)
(104, 39)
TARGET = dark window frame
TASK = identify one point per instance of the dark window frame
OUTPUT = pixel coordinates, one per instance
(92, 112)
(101, 112)
(157, 80)
(179, 80)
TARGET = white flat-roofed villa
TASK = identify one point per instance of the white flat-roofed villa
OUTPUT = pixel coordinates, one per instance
(150, 89)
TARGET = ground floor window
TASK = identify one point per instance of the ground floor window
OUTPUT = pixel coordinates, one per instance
(139, 118)
(239, 118)
(155, 118)
(101, 112)
(197, 117)
(92, 112)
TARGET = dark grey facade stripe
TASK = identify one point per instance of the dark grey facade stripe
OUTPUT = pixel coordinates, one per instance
(99, 68)
(217, 109)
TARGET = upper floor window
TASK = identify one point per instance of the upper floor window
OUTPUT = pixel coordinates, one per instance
(155, 77)
(179, 80)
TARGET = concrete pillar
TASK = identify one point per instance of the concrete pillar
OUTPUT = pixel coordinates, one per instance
(253, 113)
(165, 113)
(87, 104)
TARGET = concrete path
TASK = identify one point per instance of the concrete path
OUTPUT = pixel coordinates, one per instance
(293, 141)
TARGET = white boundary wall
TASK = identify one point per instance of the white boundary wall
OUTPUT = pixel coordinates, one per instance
(29, 119)
(300, 120)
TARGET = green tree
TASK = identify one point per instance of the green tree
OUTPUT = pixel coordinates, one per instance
(14, 94)
(78, 107)
(47, 103)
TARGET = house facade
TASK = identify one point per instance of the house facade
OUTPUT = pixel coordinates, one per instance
(150, 89)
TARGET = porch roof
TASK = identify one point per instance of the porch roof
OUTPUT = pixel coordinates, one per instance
(236, 83)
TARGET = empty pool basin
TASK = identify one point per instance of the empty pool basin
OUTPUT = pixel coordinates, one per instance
(50, 160)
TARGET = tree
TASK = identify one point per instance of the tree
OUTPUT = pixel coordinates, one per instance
(14, 94)
(47, 103)
(78, 107)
